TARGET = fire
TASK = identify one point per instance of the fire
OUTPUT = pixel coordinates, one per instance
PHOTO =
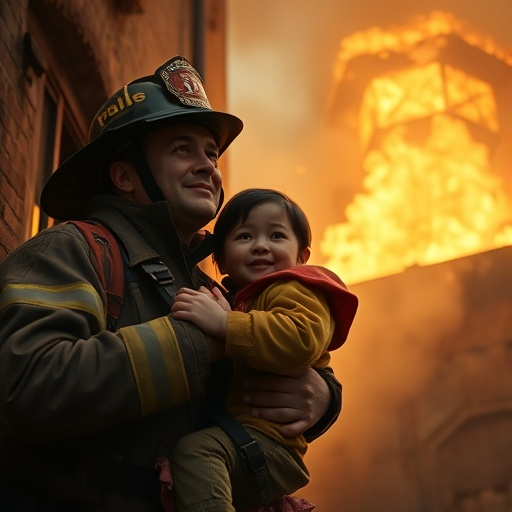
(376, 41)
(430, 192)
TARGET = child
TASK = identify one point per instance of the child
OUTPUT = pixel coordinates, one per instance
(286, 316)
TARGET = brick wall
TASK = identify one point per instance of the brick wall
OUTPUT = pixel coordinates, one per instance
(14, 125)
(103, 45)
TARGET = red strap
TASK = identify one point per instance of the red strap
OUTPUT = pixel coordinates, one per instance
(108, 263)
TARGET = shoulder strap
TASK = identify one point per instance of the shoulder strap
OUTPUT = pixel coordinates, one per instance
(108, 263)
(162, 276)
(247, 447)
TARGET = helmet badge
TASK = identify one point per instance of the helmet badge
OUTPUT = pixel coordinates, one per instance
(184, 82)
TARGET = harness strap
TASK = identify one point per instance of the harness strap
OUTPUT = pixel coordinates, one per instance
(247, 447)
(159, 272)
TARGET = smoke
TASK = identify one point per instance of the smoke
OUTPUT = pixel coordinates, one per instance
(398, 335)
(280, 63)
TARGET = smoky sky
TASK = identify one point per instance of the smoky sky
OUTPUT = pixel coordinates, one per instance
(280, 73)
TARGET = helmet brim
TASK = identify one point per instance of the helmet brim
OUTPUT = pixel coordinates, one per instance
(67, 192)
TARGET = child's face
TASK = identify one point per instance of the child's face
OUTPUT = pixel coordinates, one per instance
(263, 244)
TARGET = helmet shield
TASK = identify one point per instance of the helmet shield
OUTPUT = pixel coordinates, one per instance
(174, 94)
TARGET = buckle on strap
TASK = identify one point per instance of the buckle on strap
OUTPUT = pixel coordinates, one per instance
(159, 272)
(255, 458)
(163, 277)
(253, 454)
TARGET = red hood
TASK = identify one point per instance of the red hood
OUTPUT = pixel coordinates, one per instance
(343, 303)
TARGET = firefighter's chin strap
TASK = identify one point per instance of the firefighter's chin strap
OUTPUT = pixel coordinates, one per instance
(154, 192)
(139, 160)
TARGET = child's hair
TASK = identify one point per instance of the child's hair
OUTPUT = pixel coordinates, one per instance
(237, 210)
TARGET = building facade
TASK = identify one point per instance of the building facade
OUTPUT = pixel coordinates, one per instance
(59, 61)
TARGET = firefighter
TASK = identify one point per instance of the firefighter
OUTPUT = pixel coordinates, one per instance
(88, 406)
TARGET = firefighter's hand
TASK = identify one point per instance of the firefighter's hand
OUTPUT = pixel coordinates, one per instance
(297, 402)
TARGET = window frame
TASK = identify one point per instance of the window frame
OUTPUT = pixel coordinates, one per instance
(53, 84)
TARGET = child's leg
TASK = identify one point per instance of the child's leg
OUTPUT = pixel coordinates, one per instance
(210, 476)
(200, 465)
(286, 470)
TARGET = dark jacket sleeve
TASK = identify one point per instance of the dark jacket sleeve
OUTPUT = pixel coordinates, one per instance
(62, 373)
(332, 413)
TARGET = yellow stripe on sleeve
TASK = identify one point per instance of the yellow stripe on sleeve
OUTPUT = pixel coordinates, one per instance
(76, 296)
(157, 365)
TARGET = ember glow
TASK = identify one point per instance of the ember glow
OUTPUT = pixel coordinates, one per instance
(426, 125)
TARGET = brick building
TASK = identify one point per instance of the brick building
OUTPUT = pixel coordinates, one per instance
(60, 59)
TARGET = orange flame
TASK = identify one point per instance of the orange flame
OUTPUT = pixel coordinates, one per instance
(428, 198)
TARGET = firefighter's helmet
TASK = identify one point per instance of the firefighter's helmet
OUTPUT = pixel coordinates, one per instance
(174, 94)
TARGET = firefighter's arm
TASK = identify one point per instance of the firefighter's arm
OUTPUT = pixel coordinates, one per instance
(332, 406)
(62, 374)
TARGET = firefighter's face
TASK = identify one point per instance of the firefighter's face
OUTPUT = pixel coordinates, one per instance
(184, 162)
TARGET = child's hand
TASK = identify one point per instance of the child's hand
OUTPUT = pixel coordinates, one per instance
(217, 295)
(201, 307)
